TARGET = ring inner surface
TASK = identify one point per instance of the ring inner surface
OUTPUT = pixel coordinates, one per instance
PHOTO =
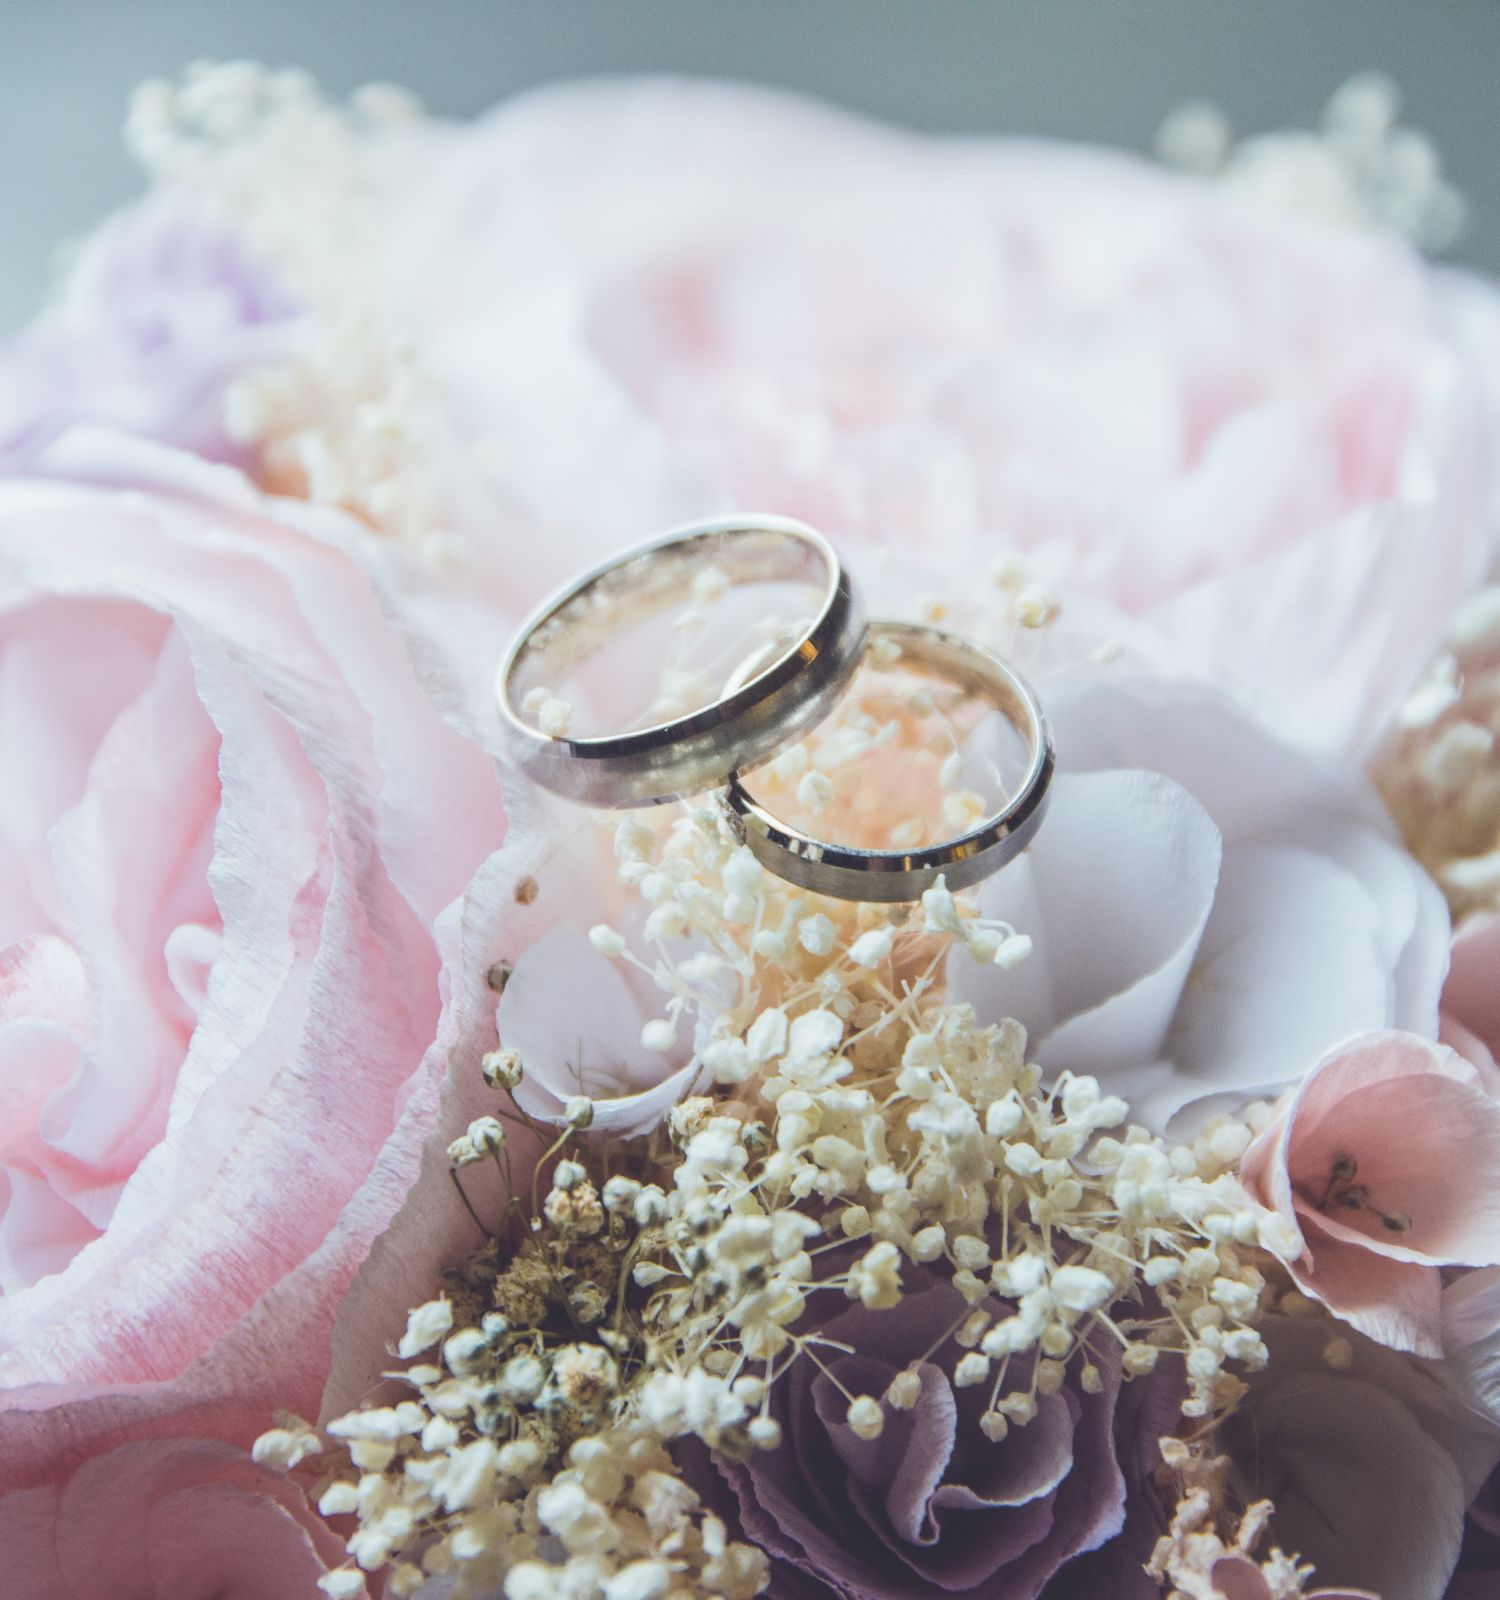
(933, 740)
(655, 639)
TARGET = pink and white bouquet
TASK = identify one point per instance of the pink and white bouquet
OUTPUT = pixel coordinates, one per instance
(412, 1184)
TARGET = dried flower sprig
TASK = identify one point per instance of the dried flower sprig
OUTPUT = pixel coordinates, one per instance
(1362, 167)
(344, 419)
(1437, 770)
(857, 1128)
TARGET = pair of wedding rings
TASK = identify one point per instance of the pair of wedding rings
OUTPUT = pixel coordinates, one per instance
(763, 708)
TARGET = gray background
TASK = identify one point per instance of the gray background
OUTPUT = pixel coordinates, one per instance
(1087, 69)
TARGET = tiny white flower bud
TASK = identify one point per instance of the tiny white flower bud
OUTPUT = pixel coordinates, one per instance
(1034, 608)
(905, 1390)
(1012, 951)
(486, 1135)
(344, 1584)
(659, 1035)
(501, 1069)
(816, 934)
(569, 1175)
(606, 941)
(339, 1499)
(424, 1327)
(814, 792)
(928, 1243)
(866, 1418)
(1080, 1289)
(1139, 1359)
(465, 1351)
(578, 1111)
(639, 1580)
(871, 948)
(620, 1194)
(765, 1433)
(973, 1368)
(1003, 1117)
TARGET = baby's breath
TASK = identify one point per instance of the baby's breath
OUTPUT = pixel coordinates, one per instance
(859, 1131)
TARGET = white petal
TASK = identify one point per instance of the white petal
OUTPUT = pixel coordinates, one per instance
(1115, 893)
(1290, 963)
(577, 1024)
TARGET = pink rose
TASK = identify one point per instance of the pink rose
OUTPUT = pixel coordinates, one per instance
(159, 1520)
(1385, 1166)
(237, 959)
(1265, 440)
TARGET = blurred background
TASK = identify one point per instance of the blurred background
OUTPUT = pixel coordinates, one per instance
(1105, 70)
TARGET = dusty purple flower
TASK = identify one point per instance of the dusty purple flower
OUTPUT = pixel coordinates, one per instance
(931, 1507)
(1148, 1409)
(160, 312)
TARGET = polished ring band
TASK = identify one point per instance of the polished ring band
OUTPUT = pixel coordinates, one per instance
(846, 873)
(747, 724)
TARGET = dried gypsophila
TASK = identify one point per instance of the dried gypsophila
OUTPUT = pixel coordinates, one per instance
(344, 419)
(856, 1112)
(1437, 769)
(859, 1131)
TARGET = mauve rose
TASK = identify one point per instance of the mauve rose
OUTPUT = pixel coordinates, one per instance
(185, 1519)
(1369, 1459)
(1269, 440)
(242, 942)
(931, 1507)
(160, 312)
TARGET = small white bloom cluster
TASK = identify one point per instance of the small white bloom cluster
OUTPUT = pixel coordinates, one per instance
(862, 1136)
(1438, 771)
(1361, 168)
(341, 420)
(861, 1139)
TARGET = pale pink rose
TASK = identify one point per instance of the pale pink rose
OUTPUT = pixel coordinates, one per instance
(1471, 995)
(237, 956)
(1267, 440)
(1385, 1165)
(172, 1519)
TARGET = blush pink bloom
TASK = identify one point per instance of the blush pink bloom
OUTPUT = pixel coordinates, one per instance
(1267, 441)
(1471, 996)
(237, 955)
(166, 1520)
(1386, 1167)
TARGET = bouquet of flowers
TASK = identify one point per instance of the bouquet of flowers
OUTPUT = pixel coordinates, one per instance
(412, 1183)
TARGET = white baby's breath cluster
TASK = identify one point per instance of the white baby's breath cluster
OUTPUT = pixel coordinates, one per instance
(300, 180)
(1361, 167)
(1438, 771)
(856, 1136)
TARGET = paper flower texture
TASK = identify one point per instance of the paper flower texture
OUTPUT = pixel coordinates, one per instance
(413, 1184)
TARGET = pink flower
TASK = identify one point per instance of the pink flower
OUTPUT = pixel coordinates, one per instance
(166, 1520)
(1267, 440)
(1385, 1167)
(237, 955)
(1471, 996)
